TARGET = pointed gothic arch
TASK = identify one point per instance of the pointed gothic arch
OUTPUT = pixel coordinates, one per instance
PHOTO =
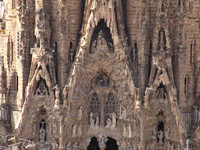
(94, 145)
(102, 100)
(41, 88)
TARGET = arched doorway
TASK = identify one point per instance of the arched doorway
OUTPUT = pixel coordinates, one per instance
(111, 144)
(93, 144)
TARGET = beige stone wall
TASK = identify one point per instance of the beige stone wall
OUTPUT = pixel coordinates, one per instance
(133, 67)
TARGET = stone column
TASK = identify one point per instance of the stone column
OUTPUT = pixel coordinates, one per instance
(142, 126)
(61, 146)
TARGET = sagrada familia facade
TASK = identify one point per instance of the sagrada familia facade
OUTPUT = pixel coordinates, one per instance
(100, 74)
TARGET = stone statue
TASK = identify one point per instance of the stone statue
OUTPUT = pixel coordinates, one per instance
(80, 113)
(57, 92)
(74, 130)
(54, 144)
(80, 130)
(160, 137)
(101, 41)
(93, 46)
(42, 133)
(161, 94)
(57, 96)
(108, 123)
(129, 131)
(124, 130)
(69, 146)
(168, 132)
(97, 121)
(113, 120)
(91, 120)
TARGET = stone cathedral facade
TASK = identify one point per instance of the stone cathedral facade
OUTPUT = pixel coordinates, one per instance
(100, 74)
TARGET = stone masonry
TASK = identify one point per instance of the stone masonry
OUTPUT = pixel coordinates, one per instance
(100, 74)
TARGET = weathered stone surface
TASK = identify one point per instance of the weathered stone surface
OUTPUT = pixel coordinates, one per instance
(96, 74)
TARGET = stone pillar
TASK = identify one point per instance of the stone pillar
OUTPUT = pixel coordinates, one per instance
(61, 146)
(142, 126)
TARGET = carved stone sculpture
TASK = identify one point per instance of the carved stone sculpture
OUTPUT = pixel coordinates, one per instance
(113, 120)
(108, 123)
(74, 130)
(160, 137)
(80, 113)
(124, 130)
(97, 121)
(42, 134)
(91, 120)
(129, 131)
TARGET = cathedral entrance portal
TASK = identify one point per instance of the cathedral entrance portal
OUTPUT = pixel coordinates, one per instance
(93, 144)
(111, 144)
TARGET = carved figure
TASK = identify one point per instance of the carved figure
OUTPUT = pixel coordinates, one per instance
(108, 123)
(93, 46)
(160, 137)
(113, 120)
(42, 133)
(161, 94)
(129, 131)
(80, 113)
(74, 130)
(91, 120)
(97, 121)
(124, 130)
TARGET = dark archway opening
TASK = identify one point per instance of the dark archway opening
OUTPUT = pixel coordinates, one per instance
(93, 144)
(160, 128)
(111, 144)
(106, 32)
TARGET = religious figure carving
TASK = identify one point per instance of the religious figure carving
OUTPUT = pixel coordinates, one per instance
(74, 130)
(129, 131)
(97, 121)
(124, 130)
(101, 140)
(93, 46)
(80, 113)
(57, 96)
(42, 133)
(91, 120)
(108, 123)
(168, 132)
(161, 95)
(160, 137)
(113, 120)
